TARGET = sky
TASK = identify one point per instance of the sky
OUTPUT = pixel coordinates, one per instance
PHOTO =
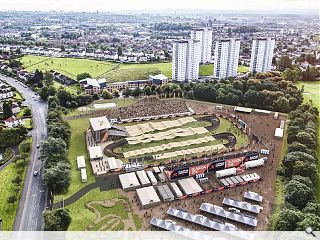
(118, 5)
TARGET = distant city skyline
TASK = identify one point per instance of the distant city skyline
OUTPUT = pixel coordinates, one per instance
(127, 5)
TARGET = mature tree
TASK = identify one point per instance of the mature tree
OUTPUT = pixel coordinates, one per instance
(57, 177)
(282, 105)
(12, 136)
(126, 92)
(56, 220)
(298, 193)
(7, 110)
(115, 93)
(290, 161)
(60, 130)
(312, 207)
(106, 94)
(83, 76)
(284, 62)
(288, 219)
(310, 220)
(147, 90)
(292, 75)
(52, 147)
(44, 93)
(64, 97)
(136, 92)
(306, 139)
(119, 52)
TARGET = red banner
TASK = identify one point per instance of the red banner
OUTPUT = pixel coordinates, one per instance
(194, 170)
(234, 162)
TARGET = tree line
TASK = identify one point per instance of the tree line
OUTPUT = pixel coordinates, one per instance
(299, 170)
(57, 173)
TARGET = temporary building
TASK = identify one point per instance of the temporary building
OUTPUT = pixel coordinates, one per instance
(81, 162)
(186, 233)
(253, 196)
(176, 190)
(148, 197)
(95, 152)
(226, 172)
(190, 186)
(84, 177)
(243, 109)
(143, 178)
(255, 163)
(152, 178)
(278, 134)
(237, 217)
(242, 205)
(165, 193)
(129, 181)
(201, 220)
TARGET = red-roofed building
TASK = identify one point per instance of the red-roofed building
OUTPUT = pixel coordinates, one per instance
(12, 122)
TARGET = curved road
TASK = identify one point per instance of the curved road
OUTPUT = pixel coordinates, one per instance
(33, 198)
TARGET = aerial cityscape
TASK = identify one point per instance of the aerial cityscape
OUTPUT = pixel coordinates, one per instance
(137, 117)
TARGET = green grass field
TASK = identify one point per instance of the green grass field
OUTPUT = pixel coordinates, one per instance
(83, 217)
(113, 72)
(77, 148)
(68, 66)
(311, 92)
(8, 210)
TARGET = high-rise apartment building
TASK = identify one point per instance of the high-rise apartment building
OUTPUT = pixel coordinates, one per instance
(205, 38)
(185, 60)
(226, 57)
(261, 54)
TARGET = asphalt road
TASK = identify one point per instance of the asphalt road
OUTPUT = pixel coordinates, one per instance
(33, 198)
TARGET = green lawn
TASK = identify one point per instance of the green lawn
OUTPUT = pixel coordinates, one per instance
(311, 92)
(77, 148)
(207, 70)
(7, 211)
(82, 216)
(7, 188)
(70, 67)
(113, 72)
(73, 89)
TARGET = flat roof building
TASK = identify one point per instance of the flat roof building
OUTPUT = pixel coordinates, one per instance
(129, 181)
(278, 134)
(165, 193)
(143, 178)
(190, 186)
(81, 162)
(84, 177)
(148, 197)
(95, 153)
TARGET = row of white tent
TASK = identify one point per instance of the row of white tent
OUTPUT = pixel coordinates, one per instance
(242, 205)
(184, 232)
(220, 212)
(201, 220)
(253, 196)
